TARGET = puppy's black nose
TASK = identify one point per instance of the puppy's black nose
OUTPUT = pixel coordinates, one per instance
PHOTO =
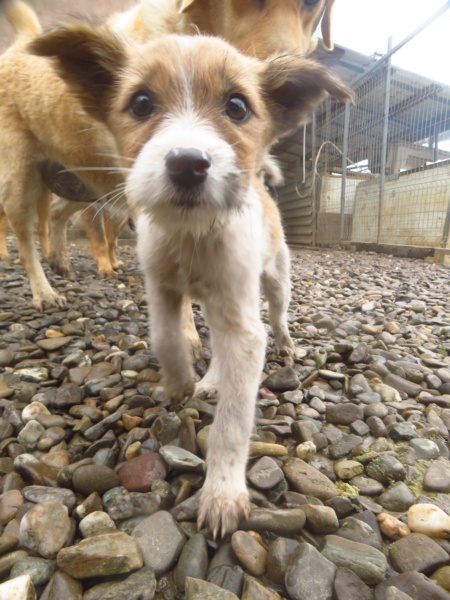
(187, 167)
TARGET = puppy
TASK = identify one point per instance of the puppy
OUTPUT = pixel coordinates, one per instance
(42, 121)
(193, 118)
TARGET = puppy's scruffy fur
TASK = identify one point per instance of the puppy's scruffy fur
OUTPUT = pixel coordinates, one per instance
(42, 121)
(193, 118)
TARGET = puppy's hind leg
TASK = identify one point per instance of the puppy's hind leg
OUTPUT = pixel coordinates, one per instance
(276, 285)
(189, 330)
(238, 347)
(168, 342)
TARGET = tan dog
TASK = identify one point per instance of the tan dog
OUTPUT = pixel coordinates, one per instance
(42, 121)
(193, 119)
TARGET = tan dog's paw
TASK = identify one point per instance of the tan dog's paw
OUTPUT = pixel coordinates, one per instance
(285, 347)
(118, 264)
(177, 392)
(48, 300)
(221, 512)
(59, 266)
(106, 272)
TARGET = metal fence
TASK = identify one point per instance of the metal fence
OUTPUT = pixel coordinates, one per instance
(376, 172)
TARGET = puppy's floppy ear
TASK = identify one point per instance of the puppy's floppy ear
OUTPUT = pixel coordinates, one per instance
(89, 60)
(326, 25)
(293, 86)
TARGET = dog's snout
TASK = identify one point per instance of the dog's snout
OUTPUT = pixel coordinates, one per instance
(188, 167)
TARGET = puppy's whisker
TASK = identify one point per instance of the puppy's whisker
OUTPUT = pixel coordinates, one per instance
(117, 156)
(112, 169)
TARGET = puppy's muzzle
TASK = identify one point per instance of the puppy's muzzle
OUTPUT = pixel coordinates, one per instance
(187, 167)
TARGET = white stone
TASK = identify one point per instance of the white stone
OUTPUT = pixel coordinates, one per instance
(31, 411)
(19, 588)
(306, 451)
(96, 522)
(429, 520)
(45, 528)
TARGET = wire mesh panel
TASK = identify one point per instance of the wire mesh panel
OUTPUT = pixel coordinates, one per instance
(381, 176)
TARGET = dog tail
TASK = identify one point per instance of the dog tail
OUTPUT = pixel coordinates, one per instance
(22, 18)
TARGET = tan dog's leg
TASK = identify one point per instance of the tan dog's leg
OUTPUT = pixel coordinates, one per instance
(24, 191)
(276, 286)
(4, 254)
(62, 210)
(44, 212)
(190, 332)
(113, 225)
(93, 220)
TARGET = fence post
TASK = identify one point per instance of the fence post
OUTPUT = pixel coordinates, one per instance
(387, 99)
(344, 169)
(313, 179)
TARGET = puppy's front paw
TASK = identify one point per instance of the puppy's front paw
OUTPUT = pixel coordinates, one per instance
(221, 508)
(205, 388)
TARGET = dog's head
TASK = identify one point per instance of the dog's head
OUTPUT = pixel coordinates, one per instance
(192, 117)
(258, 27)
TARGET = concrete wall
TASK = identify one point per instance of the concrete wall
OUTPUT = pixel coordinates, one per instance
(414, 209)
(56, 12)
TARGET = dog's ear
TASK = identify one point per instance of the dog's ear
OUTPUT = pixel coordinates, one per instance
(293, 86)
(326, 25)
(89, 60)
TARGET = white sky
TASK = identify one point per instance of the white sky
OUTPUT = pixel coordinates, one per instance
(365, 25)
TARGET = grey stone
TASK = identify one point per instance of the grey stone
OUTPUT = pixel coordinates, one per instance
(282, 380)
(348, 586)
(137, 586)
(344, 446)
(417, 552)
(40, 570)
(414, 584)
(397, 498)
(344, 413)
(160, 540)
(41, 493)
(280, 521)
(386, 469)
(310, 575)
(265, 473)
(179, 458)
(196, 589)
(425, 449)
(193, 561)
(437, 477)
(367, 562)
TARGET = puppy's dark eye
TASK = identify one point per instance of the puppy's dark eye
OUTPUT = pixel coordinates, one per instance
(310, 3)
(141, 105)
(237, 108)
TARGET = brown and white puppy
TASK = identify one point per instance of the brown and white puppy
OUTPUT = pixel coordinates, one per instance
(193, 119)
(42, 121)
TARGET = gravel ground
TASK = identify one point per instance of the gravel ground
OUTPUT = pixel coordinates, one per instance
(349, 472)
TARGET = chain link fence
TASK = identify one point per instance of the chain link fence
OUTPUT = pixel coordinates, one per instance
(376, 172)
